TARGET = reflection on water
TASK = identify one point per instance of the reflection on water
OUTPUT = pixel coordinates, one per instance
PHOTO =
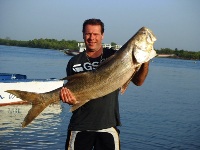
(42, 131)
(14, 114)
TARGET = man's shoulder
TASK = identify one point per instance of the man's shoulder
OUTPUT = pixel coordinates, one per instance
(78, 56)
(109, 51)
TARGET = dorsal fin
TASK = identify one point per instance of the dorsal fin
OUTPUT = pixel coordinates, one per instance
(106, 61)
(75, 76)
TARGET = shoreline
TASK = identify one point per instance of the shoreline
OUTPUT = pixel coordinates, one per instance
(75, 52)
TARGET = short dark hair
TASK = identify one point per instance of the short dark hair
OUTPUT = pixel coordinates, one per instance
(93, 21)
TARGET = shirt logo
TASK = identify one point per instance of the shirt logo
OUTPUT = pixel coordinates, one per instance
(77, 68)
(87, 66)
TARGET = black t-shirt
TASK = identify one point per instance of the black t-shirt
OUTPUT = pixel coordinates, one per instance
(100, 113)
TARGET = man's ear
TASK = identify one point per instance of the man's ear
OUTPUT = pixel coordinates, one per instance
(102, 36)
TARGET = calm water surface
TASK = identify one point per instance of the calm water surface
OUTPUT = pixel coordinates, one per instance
(162, 114)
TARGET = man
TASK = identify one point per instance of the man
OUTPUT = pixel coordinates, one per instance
(93, 125)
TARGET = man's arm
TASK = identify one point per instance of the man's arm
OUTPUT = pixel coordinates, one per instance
(141, 74)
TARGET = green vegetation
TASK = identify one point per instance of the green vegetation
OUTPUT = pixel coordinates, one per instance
(73, 45)
(42, 43)
(182, 54)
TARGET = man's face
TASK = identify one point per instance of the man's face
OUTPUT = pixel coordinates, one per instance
(92, 37)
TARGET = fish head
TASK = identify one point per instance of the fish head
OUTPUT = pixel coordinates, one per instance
(143, 49)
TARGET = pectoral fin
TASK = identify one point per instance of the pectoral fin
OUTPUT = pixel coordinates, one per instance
(125, 86)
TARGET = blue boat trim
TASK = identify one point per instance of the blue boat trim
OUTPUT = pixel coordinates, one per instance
(10, 76)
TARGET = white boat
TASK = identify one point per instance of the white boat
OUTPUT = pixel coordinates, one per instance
(31, 85)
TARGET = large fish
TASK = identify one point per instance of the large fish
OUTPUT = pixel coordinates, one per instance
(114, 73)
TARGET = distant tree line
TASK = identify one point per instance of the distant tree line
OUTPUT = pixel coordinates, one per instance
(73, 45)
(42, 43)
(180, 53)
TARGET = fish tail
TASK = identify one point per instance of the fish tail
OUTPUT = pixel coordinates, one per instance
(39, 103)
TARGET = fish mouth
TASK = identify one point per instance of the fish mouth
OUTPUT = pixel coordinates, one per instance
(150, 37)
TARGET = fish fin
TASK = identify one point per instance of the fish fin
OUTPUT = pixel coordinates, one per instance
(77, 105)
(33, 113)
(25, 96)
(75, 76)
(65, 78)
(39, 103)
(106, 61)
(125, 86)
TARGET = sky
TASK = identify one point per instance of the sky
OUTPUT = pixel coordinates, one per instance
(176, 23)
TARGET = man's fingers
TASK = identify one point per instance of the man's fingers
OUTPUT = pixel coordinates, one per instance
(67, 96)
(71, 97)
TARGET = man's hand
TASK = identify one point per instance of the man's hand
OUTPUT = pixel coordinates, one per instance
(67, 97)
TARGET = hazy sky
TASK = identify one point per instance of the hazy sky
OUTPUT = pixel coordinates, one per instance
(176, 23)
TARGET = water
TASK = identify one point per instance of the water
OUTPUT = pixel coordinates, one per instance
(35, 63)
(162, 114)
